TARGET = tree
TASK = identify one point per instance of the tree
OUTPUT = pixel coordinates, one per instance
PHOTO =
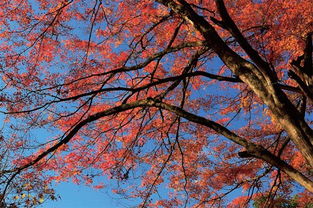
(203, 97)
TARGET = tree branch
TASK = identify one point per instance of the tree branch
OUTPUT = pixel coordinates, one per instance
(230, 25)
(259, 80)
(255, 150)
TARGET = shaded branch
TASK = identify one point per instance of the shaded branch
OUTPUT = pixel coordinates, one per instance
(228, 24)
(252, 149)
(259, 79)
(304, 88)
(308, 66)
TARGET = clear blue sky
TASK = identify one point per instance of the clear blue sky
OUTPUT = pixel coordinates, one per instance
(80, 196)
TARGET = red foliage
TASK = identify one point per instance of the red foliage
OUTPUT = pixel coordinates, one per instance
(123, 90)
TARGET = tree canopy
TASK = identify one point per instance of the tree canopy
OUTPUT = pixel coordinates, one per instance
(181, 103)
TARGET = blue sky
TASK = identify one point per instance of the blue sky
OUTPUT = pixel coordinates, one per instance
(80, 196)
